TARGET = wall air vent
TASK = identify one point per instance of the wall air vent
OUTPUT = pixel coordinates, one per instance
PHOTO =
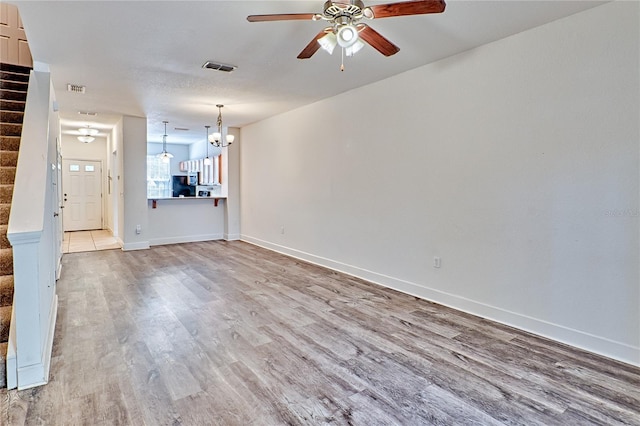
(88, 113)
(76, 88)
(213, 65)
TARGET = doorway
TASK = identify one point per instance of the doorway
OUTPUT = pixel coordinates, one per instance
(82, 195)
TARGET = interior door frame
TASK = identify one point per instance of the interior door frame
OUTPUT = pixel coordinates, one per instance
(102, 208)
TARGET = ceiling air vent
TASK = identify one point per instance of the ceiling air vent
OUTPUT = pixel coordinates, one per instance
(212, 65)
(76, 88)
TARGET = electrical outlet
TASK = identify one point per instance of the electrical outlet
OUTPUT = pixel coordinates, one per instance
(436, 262)
(282, 229)
(138, 229)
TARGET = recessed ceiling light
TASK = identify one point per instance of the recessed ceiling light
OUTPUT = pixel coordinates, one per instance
(89, 113)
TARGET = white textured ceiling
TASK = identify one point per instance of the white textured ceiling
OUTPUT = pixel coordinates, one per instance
(144, 58)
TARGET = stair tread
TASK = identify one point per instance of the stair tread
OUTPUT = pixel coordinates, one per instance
(3, 361)
(6, 290)
(6, 261)
(5, 321)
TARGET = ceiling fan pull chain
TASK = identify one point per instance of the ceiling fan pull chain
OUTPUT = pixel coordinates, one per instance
(342, 64)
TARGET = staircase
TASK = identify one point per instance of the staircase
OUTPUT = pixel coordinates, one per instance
(13, 94)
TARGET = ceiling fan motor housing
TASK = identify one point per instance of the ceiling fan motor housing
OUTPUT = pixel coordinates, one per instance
(353, 10)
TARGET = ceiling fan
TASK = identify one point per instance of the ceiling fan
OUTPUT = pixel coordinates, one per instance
(345, 28)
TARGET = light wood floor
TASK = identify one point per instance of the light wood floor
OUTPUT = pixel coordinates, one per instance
(231, 334)
(79, 241)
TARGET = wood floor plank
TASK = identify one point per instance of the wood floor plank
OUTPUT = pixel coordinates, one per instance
(227, 333)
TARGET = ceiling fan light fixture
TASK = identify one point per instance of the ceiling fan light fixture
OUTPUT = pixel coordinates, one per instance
(347, 36)
(328, 42)
(352, 50)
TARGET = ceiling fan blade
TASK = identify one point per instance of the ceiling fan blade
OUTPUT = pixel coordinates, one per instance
(377, 41)
(281, 17)
(313, 46)
(418, 7)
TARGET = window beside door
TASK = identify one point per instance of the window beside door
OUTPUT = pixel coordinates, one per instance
(158, 177)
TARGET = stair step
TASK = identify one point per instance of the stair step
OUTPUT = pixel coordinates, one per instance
(11, 116)
(7, 175)
(5, 209)
(6, 261)
(12, 105)
(14, 95)
(13, 76)
(4, 240)
(18, 69)
(8, 158)
(10, 129)
(3, 362)
(9, 143)
(18, 86)
(5, 320)
(6, 194)
(6, 290)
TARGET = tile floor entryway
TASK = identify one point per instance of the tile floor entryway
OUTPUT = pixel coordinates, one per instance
(78, 241)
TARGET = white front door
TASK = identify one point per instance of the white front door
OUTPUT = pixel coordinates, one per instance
(82, 192)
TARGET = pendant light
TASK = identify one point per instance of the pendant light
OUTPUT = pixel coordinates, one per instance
(216, 138)
(207, 161)
(165, 155)
(87, 134)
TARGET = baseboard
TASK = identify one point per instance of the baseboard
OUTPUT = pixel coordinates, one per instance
(184, 239)
(231, 237)
(12, 360)
(143, 245)
(579, 339)
(59, 267)
(38, 374)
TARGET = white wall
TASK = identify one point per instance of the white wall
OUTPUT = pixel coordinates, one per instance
(109, 188)
(184, 220)
(72, 148)
(134, 163)
(116, 164)
(516, 163)
(187, 220)
(232, 174)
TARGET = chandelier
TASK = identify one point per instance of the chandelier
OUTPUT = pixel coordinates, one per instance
(216, 138)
